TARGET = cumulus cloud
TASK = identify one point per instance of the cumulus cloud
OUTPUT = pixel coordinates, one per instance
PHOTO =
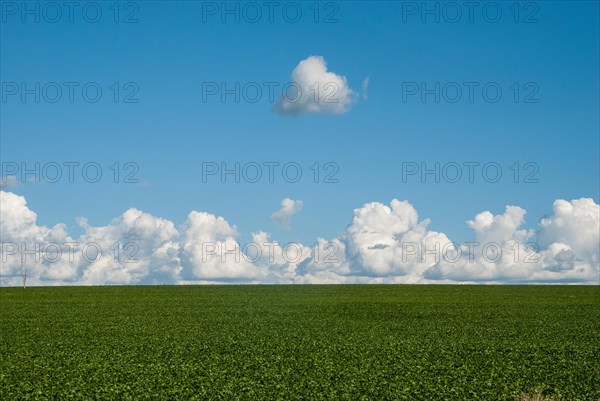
(22, 239)
(136, 248)
(289, 207)
(314, 89)
(503, 253)
(384, 243)
(499, 228)
(210, 251)
(575, 223)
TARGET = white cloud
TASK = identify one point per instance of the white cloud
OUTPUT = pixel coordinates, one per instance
(576, 223)
(314, 89)
(19, 223)
(556, 253)
(278, 262)
(8, 181)
(209, 249)
(289, 207)
(365, 88)
(23, 240)
(490, 228)
(135, 248)
(382, 244)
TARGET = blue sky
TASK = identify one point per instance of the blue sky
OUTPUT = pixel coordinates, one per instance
(170, 132)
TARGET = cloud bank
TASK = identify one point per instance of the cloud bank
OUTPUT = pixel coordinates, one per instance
(382, 244)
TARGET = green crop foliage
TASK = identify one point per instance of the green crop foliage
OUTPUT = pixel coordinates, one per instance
(342, 342)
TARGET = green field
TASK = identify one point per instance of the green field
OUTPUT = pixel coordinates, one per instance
(364, 342)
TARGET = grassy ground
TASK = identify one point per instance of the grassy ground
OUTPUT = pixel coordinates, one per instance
(301, 342)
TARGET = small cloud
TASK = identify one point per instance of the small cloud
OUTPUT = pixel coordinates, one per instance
(365, 88)
(289, 207)
(82, 222)
(314, 89)
(9, 181)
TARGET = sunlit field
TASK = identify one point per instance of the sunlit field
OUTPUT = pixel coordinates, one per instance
(301, 342)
